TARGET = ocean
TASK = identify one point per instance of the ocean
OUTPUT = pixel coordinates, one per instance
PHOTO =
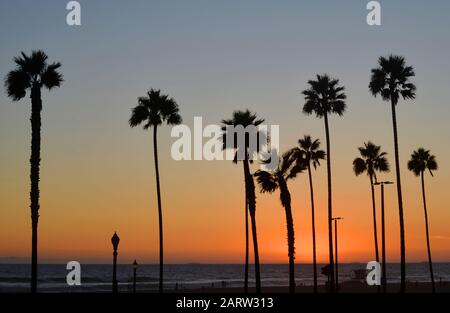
(97, 277)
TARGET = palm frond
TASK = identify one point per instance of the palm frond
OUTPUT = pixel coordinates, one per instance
(359, 166)
(16, 84)
(391, 79)
(50, 77)
(38, 62)
(421, 160)
(155, 108)
(30, 71)
(139, 114)
(266, 181)
(249, 122)
(324, 96)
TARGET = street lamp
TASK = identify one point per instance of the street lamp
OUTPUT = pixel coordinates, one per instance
(383, 234)
(135, 266)
(335, 219)
(115, 242)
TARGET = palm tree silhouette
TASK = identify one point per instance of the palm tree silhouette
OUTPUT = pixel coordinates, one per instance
(420, 161)
(391, 80)
(309, 153)
(32, 72)
(246, 119)
(371, 161)
(153, 110)
(325, 97)
(271, 181)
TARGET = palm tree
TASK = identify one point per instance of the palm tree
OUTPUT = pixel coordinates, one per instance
(309, 154)
(371, 161)
(153, 110)
(391, 80)
(32, 72)
(325, 97)
(245, 119)
(420, 161)
(271, 181)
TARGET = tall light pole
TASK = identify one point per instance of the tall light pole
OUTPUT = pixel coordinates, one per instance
(383, 235)
(135, 266)
(115, 242)
(335, 219)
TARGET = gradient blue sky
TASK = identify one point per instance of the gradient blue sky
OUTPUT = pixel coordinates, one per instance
(213, 57)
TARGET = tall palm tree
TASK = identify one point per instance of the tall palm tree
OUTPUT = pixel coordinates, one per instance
(371, 161)
(421, 160)
(32, 72)
(324, 97)
(391, 80)
(153, 110)
(309, 154)
(271, 181)
(245, 119)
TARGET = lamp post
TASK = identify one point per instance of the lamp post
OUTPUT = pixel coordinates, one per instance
(383, 235)
(115, 242)
(135, 266)
(335, 219)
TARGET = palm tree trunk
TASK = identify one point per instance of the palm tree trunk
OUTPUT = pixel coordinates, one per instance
(160, 218)
(35, 159)
(374, 212)
(286, 201)
(383, 241)
(336, 253)
(313, 227)
(375, 231)
(252, 210)
(400, 203)
(428, 237)
(246, 239)
(330, 208)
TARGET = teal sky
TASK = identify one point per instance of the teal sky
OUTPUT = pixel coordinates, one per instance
(214, 57)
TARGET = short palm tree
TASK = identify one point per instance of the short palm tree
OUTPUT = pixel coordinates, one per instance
(309, 153)
(153, 110)
(324, 97)
(271, 181)
(245, 119)
(32, 73)
(371, 161)
(421, 160)
(391, 80)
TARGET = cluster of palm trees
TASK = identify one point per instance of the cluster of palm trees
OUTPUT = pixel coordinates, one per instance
(323, 97)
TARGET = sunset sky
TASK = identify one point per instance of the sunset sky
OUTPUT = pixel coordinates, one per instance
(213, 57)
